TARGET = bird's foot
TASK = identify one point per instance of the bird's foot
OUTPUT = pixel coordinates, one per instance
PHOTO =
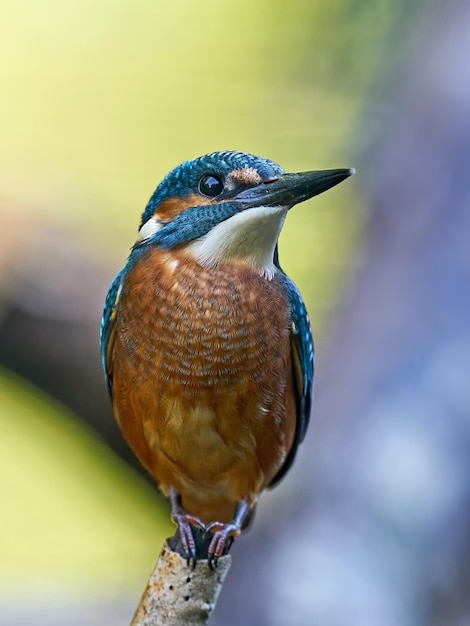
(186, 523)
(222, 537)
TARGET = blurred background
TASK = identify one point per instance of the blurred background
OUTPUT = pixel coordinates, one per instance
(99, 101)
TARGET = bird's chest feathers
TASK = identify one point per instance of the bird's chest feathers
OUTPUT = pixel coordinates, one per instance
(201, 327)
(204, 355)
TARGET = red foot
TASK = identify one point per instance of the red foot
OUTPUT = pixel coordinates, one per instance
(221, 534)
(185, 521)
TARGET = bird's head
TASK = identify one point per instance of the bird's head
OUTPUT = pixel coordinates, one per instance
(228, 206)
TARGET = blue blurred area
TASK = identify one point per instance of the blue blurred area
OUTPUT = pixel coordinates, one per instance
(377, 519)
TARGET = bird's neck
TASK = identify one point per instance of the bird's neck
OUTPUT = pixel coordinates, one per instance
(249, 237)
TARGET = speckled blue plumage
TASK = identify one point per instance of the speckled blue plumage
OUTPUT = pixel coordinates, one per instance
(304, 347)
(112, 299)
(189, 225)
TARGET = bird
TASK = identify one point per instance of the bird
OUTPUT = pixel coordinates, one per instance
(206, 343)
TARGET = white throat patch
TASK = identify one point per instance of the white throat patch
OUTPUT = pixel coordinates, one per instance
(150, 227)
(248, 236)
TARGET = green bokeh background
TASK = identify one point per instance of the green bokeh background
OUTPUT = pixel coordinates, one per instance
(100, 100)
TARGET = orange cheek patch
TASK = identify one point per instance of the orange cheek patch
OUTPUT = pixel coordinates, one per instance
(246, 175)
(169, 209)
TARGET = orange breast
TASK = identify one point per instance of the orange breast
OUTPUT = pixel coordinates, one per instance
(203, 382)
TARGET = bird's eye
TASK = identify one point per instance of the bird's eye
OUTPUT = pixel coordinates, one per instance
(210, 185)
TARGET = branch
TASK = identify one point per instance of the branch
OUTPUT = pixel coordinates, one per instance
(176, 594)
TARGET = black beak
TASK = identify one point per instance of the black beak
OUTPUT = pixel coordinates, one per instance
(289, 189)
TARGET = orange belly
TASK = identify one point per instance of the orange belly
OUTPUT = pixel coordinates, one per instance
(202, 379)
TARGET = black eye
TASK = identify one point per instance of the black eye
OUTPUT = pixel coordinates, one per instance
(210, 185)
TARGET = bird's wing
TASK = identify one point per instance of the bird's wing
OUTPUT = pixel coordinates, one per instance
(107, 329)
(302, 358)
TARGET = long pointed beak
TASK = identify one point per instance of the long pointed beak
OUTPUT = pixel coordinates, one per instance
(290, 189)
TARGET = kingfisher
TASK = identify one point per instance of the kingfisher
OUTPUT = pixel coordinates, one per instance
(206, 343)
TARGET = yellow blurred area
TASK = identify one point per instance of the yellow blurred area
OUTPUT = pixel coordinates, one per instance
(104, 98)
(72, 513)
(99, 101)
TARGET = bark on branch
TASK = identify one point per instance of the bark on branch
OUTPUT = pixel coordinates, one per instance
(177, 594)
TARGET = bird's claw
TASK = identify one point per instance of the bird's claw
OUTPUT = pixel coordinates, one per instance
(222, 533)
(185, 521)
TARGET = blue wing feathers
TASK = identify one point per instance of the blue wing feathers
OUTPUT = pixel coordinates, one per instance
(303, 361)
(107, 326)
(303, 344)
